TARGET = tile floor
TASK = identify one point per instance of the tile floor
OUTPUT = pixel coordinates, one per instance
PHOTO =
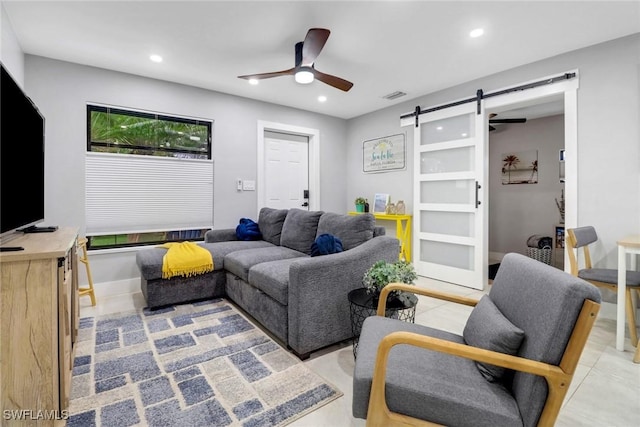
(605, 391)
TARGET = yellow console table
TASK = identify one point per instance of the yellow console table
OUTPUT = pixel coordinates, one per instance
(403, 231)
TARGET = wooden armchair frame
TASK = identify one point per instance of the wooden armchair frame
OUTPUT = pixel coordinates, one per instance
(558, 377)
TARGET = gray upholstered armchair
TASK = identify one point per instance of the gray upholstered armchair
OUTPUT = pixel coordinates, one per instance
(512, 365)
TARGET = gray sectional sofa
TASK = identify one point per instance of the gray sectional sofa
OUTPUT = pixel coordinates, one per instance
(300, 299)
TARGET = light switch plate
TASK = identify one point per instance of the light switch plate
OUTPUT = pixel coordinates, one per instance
(239, 184)
(248, 185)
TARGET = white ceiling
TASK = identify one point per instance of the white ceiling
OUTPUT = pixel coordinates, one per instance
(417, 47)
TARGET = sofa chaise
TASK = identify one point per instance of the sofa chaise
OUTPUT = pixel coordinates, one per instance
(301, 299)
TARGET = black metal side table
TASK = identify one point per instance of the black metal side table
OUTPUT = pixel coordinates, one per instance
(363, 305)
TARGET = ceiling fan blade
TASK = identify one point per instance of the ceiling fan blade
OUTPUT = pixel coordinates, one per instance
(334, 81)
(313, 44)
(507, 120)
(288, 72)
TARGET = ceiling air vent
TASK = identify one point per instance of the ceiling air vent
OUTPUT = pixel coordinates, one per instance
(394, 95)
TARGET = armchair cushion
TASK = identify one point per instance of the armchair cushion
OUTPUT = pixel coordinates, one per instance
(429, 385)
(488, 328)
(609, 275)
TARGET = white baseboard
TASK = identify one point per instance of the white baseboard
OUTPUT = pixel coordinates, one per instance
(127, 286)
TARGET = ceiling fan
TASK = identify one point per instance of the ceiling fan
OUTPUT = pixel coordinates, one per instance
(500, 121)
(306, 53)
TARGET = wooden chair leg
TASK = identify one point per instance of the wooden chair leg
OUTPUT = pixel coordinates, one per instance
(84, 258)
(631, 319)
(636, 357)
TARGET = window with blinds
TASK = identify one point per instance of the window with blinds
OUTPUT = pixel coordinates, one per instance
(149, 178)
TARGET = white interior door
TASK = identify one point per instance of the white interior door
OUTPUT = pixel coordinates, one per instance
(450, 172)
(286, 174)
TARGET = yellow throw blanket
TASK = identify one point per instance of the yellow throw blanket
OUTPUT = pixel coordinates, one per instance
(185, 259)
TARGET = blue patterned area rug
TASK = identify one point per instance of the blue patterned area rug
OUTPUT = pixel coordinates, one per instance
(199, 364)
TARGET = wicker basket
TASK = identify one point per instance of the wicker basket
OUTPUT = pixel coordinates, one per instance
(542, 255)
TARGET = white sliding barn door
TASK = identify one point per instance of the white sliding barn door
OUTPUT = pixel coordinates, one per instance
(450, 177)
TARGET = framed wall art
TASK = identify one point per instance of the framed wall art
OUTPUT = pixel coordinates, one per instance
(384, 154)
(520, 168)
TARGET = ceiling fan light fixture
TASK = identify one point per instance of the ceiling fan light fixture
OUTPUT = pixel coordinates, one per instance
(304, 76)
(476, 33)
(253, 81)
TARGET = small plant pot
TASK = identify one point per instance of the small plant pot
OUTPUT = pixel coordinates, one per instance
(359, 208)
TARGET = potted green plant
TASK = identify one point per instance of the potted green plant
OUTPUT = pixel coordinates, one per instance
(383, 272)
(360, 202)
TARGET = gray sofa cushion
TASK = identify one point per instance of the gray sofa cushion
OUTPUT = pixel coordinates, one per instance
(240, 262)
(149, 260)
(427, 384)
(272, 278)
(270, 222)
(488, 328)
(351, 230)
(299, 229)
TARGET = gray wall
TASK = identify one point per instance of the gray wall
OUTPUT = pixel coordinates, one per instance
(519, 211)
(10, 52)
(61, 90)
(608, 136)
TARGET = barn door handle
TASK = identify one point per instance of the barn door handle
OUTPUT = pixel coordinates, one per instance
(478, 187)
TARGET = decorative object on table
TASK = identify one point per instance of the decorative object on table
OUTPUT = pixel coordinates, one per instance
(383, 272)
(363, 305)
(380, 203)
(520, 168)
(400, 207)
(366, 205)
(384, 154)
(363, 302)
(560, 205)
(390, 209)
(185, 365)
(360, 204)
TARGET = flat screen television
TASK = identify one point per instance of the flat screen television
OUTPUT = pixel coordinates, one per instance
(21, 159)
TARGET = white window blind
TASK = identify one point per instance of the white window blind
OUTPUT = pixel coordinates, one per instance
(136, 194)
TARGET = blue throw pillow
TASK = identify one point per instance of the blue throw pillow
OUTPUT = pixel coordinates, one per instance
(248, 230)
(326, 244)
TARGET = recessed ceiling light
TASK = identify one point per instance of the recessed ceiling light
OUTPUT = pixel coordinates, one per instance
(322, 98)
(476, 33)
(253, 81)
(464, 135)
(439, 128)
(156, 58)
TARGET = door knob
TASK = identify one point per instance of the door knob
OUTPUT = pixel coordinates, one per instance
(305, 204)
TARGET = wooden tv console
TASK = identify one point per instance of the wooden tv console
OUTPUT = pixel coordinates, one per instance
(38, 328)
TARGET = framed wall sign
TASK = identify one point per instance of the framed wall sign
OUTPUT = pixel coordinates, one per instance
(384, 154)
